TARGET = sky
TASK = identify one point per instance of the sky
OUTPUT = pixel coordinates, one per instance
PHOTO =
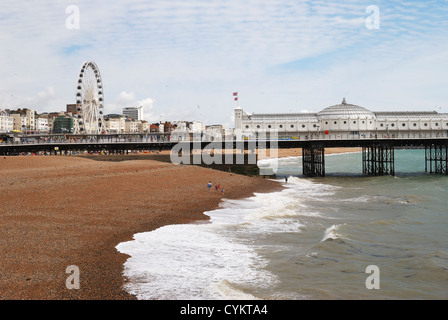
(182, 60)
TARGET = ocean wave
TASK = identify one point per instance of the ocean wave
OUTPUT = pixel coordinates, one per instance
(280, 161)
(395, 200)
(188, 261)
(270, 207)
(332, 234)
(360, 199)
(229, 291)
(439, 259)
(388, 222)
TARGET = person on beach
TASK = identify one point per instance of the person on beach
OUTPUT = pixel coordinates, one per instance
(209, 185)
(286, 179)
(222, 190)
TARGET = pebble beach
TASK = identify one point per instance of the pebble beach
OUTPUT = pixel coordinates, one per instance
(61, 211)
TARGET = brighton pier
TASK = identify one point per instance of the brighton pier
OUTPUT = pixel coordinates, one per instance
(343, 125)
(377, 153)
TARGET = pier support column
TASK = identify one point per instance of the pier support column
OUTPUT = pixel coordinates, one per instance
(436, 159)
(313, 162)
(378, 160)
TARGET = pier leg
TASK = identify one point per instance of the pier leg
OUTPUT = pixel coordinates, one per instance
(437, 158)
(313, 162)
(378, 160)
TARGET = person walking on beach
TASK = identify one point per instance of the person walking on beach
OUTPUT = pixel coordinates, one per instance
(286, 179)
(209, 185)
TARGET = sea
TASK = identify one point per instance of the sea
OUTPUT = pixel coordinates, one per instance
(344, 236)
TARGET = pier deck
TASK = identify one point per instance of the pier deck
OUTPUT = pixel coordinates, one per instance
(377, 155)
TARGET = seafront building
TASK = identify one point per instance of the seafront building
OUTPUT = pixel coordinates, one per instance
(27, 121)
(115, 123)
(135, 113)
(63, 124)
(130, 126)
(6, 122)
(43, 124)
(30, 122)
(343, 121)
(143, 126)
(24, 120)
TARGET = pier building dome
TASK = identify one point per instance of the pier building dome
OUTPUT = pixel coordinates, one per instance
(345, 111)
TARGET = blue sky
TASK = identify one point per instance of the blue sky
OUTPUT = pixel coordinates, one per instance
(182, 60)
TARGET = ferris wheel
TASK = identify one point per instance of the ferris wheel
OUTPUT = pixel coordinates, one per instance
(89, 100)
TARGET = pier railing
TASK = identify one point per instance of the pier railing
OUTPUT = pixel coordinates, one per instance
(164, 138)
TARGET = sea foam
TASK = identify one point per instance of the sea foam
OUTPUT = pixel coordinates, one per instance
(187, 262)
(220, 259)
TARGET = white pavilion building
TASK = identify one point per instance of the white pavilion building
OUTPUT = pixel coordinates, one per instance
(343, 121)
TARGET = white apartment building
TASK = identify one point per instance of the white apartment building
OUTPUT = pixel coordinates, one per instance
(135, 113)
(43, 125)
(115, 123)
(6, 122)
(196, 126)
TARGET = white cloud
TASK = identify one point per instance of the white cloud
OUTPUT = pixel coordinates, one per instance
(148, 109)
(302, 54)
(126, 99)
(47, 96)
(48, 93)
